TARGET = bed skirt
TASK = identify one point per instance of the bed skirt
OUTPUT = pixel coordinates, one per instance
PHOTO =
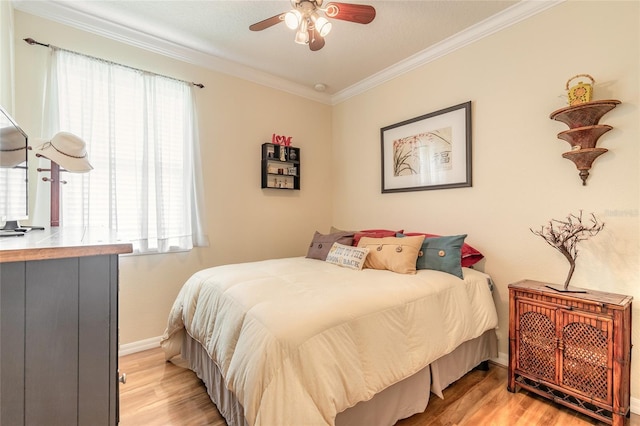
(396, 402)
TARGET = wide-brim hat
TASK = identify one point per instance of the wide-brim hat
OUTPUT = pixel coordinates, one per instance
(13, 147)
(68, 150)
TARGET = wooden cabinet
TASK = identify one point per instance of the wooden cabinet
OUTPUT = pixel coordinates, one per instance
(59, 331)
(280, 166)
(573, 348)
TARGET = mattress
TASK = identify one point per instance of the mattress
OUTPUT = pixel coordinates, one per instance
(298, 340)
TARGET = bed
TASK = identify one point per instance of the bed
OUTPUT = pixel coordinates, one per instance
(298, 341)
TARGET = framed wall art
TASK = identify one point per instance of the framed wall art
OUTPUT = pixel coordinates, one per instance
(432, 151)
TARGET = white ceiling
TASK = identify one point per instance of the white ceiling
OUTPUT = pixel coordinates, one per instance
(215, 34)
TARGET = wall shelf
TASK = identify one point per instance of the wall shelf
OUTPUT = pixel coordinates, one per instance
(584, 131)
(280, 167)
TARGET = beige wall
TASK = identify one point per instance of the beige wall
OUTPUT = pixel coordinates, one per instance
(244, 222)
(515, 79)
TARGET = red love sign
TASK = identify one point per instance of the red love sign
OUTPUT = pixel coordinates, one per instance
(281, 140)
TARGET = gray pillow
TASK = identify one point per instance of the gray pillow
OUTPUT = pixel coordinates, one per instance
(321, 243)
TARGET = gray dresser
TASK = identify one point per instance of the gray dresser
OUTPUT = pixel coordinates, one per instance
(59, 328)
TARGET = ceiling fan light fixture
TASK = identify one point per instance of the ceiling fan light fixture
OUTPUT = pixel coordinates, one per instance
(292, 19)
(302, 35)
(310, 27)
(322, 25)
(302, 38)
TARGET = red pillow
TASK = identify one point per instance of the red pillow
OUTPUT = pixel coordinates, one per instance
(374, 233)
(470, 256)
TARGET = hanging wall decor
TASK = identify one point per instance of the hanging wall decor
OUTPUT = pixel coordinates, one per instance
(584, 131)
(432, 151)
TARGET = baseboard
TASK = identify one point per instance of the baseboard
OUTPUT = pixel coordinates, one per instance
(503, 359)
(139, 346)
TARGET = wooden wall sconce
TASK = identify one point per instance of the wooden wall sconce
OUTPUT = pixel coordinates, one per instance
(584, 132)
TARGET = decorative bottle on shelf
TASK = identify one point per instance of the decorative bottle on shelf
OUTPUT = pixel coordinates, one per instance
(283, 153)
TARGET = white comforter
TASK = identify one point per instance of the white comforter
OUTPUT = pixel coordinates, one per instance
(299, 340)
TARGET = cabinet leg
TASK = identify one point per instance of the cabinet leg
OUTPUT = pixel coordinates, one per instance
(511, 383)
(620, 419)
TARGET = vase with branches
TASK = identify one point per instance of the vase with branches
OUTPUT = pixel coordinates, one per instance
(564, 236)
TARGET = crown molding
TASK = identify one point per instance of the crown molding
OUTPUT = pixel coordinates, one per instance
(510, 16)
(63, 14)
(60, 12)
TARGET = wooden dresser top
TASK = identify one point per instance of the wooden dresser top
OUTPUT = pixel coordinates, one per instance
(57, 243)
(589, 296)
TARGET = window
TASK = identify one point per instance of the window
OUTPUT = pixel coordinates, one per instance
(141, 136)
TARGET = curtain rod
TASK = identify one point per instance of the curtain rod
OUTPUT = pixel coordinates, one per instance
(32, 42)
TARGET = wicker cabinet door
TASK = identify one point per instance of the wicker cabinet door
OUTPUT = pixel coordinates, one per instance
(536, 340)
(587, 355)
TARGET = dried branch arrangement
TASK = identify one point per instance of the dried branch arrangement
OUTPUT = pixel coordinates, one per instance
(564, 236)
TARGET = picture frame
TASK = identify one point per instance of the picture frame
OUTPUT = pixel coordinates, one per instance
(432, 151)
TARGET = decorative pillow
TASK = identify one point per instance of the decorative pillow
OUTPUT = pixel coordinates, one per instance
(321, 244)
(374, 233)
(392, 253)
(442, 254)
(334, 230)
(469, 255)
(347, 256)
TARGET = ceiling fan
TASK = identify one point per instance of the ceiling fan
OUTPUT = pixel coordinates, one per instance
(310, 26)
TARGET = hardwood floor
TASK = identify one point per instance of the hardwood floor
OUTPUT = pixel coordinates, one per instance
(163, 393)
(169, 394)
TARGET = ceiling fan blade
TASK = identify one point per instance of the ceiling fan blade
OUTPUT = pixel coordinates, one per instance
(360, 13)
(269, 22)
(316, 41)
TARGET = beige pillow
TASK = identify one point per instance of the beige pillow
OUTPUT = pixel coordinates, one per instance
(392, 253)
(347, 256)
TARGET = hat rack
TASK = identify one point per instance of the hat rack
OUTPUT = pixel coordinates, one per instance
(54, 179)
(69, 156)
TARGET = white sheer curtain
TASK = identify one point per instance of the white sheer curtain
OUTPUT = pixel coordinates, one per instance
(6, 57)
(11, 188)
(141, 136)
